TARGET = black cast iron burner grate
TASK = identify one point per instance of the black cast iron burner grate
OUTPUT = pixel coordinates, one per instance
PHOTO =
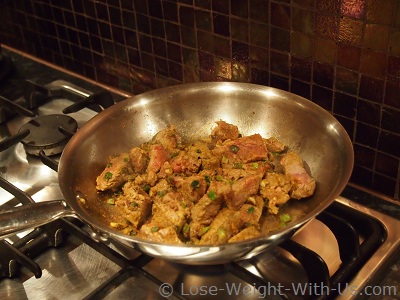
(49, 133)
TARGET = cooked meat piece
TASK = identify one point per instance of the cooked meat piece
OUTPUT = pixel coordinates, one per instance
(303, 183)
(146, 180)
(252, 210)
(275, 188)
(242, 189)
(232, 175)
(208, 207)
(242, 150)
(165, 235)
(245, 234)
(135, 203)
(273, 145)
(259, 166)
(158, 155)
(173, 209)
(202, 150)
(193, 187)
(224, 131)
(139, 159)
(209, 191)
(161, 188)
(165, 170)
(115, 174)
(168, 138)
(186, 162)
(225, 225)
(235, 174)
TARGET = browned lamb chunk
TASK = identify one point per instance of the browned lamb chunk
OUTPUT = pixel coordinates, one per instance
(146, 180)
(202, 151)
(164, 235)
(242, 150)
(224, 131)
(168, 138)
(158, 155)
(235, 174)
(115, 174)
(245, 234)
(242, 189)
(205, 210)
(192, 187)
(274, 145)
(186, 162)
(303, 183)
(225, 225)
(275, 189)
(161, 188)
(139, 159)
(252, 210)
(172, 209)
(136, 204)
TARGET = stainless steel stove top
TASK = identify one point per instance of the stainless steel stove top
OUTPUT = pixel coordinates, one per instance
(75, 266)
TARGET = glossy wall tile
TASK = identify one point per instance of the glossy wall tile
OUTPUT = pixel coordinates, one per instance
(342, 54)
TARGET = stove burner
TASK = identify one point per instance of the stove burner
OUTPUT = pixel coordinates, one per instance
(49, 133)
(6, 66)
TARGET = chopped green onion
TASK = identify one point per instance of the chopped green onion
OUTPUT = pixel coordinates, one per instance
(154, 228)
(133, 204)
(174, 154)
(186, 228)
(204, 230)
(212, 195)
(161, 193)
(237, 165)
(146, 187)
(255, 165)
(108, 175)
(234, 148)
(221, 233)
(195, 184)
(111, 201)
(219, 178)
(285, 218)
(250, 210)
(207, 179)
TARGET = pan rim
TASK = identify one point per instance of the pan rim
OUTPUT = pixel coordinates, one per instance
(132, 102)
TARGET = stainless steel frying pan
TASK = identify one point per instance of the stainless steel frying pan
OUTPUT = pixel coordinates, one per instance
(193, 108)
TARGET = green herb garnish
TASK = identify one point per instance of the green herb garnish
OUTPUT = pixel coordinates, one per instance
(195, 184)
(111, 201)
(212, 195)
(221, 233)
(234, 148)
(285, 218)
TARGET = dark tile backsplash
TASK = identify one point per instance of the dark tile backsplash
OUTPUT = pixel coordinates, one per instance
(342, 54)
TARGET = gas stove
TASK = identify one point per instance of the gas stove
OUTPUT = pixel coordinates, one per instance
(346, 252)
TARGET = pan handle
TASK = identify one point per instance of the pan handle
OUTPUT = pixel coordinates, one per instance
(32, 215)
